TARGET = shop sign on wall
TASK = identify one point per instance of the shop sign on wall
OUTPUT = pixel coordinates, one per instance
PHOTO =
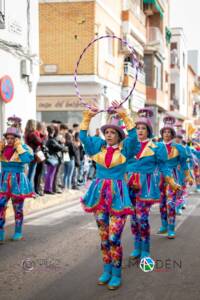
(59, 103)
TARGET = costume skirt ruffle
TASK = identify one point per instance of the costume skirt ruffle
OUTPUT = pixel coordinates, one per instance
(144, 187)
(15, 185)
(112, 193)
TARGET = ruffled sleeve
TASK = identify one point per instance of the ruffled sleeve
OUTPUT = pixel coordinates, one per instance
(161, 158)
(131, 145)
(92, 145)
(183, 156)
(196, 153)
(26, 156)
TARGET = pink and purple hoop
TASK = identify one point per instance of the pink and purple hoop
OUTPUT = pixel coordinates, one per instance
(135, 63)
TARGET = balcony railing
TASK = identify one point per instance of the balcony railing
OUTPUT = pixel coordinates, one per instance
(141, 77)
(176, 103)
(174, 58)
(135, 8)
(128, 69)
(155, 38)
(131, 71)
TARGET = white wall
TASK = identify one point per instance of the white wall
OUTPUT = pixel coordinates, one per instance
(16, 31)
(180, 77)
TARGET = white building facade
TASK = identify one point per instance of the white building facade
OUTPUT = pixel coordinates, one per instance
(178, 74)
(19, 59)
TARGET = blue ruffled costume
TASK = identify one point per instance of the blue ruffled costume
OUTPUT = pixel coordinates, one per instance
(177, 162)
(110, 184)
(144, 173)
(13, 181)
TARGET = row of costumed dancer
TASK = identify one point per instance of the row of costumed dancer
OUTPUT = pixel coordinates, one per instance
(133, 172)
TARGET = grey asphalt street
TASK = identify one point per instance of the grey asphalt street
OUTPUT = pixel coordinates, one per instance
(60, 259)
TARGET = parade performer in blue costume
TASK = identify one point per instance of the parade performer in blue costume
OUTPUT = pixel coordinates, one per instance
(144, 178)
(177, 160)
(14, 183)
(184, 175)
(195, 162)
(107, 196)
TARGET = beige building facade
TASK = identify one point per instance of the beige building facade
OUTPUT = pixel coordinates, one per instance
(157, 58)
(105, 72)
(193, 91)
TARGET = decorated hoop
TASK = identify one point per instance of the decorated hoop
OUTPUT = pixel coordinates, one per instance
(135, 63)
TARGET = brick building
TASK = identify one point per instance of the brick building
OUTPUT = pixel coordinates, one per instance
(106, 72)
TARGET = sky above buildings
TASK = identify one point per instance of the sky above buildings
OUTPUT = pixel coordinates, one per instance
(186, 14)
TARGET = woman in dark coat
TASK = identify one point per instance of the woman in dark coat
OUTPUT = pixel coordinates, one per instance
(70, 164)
(34, 141)
(54, 147)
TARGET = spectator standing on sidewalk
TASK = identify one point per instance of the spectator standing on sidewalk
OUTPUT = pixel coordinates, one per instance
(61, 142)
(69, 162)
(33, 140)
(40, 168)
(61, 139)
(80, 169)
(76, 142)
(76, 128)
(52, 161)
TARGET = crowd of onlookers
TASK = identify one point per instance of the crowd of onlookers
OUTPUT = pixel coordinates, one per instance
(60, 162)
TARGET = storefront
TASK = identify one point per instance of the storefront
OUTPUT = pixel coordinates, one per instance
(66, 109)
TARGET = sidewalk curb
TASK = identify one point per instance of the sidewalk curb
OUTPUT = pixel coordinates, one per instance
(39, 203)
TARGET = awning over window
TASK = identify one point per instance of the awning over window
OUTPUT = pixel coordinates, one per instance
(156, 4)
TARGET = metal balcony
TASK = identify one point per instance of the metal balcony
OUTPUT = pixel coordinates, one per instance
(176, 104)
(131, 71)
(135, 8)
(174, 59)
(128, 69)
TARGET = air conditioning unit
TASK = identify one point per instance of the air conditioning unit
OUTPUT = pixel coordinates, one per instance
(25, 68)
(148, 9)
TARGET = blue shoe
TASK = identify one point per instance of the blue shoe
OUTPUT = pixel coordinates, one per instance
(163, 227)
(179, 211)
(115, 280)
(2, 236)
(145, 249)
(162, 230)
(17, 236)
(198, 189)
(171, 232)
(137, 250)
(106, 275)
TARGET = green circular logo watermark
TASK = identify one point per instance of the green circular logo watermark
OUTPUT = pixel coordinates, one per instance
(147, 264)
